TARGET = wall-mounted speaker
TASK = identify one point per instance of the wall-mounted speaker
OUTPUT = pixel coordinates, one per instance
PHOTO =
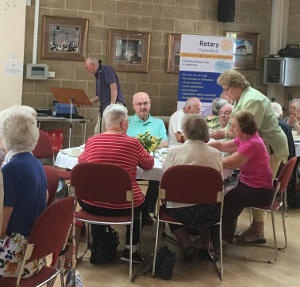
(226, 10)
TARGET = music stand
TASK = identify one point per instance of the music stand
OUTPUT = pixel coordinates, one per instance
(75, 97)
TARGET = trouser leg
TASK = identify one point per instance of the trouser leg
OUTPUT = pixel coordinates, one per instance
(136, 230)
(151, 196)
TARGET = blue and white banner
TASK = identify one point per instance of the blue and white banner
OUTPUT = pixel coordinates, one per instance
(202, 59)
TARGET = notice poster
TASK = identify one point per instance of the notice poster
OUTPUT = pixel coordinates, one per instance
(202, 59)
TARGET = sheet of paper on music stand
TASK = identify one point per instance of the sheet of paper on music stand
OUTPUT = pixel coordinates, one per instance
(75, 96)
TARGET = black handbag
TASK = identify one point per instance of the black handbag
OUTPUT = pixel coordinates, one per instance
(104, 246)
(165, 263)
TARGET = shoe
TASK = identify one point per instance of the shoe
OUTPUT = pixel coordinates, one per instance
(203, 254)
(147, 219)
(190, 254)
(136, 257)
(250, 237)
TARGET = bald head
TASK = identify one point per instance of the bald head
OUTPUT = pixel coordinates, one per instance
(141, 105)
(192, 106)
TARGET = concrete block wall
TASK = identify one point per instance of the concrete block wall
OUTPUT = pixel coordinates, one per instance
(159, 17)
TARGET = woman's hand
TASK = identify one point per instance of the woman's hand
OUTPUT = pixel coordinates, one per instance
(218, 134)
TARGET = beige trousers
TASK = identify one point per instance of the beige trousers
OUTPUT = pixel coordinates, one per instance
(259, 215)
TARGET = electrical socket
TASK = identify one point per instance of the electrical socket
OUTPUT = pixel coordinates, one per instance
(51, 74)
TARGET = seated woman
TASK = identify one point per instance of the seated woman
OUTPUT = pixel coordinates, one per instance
(114, 146)
(25, 188)
(194, 151)
(249, 154)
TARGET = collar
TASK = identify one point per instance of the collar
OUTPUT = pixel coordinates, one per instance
(136, 118)
(10, 155)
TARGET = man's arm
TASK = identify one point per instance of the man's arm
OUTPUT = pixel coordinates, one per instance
(113, 93)
(94, 99)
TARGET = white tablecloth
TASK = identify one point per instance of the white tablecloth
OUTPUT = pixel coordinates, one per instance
(67, 158)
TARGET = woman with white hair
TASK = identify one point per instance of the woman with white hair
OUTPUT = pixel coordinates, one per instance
(277, 108)
(198, 217)
(293, 199)
(25, 188)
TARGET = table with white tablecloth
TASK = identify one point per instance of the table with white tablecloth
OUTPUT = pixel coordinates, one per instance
(68, 158)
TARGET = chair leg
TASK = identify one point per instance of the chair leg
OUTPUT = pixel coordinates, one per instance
(275, 239)
(285, 204)
(219, 265)
(130, 251)
(284, 229)
(62, 281)
(155, 245)
(88, 244)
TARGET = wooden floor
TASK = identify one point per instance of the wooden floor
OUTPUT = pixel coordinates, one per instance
(237, 272)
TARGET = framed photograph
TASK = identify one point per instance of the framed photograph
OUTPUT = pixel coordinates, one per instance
(246, 50)
(129, 50)
(174, 41)
(64, 38)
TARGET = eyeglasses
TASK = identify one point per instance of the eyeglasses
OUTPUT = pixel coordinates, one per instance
(225, 113)
(142, 104)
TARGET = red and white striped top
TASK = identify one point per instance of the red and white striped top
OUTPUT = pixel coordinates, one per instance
(121, 150)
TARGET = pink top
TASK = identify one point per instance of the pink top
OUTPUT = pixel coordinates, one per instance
(121, 150)
(256, 172)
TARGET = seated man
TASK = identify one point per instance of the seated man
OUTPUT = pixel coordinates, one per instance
(192, 106)
(195, 151)
(139, 123)
(213, 120)
(224, 115)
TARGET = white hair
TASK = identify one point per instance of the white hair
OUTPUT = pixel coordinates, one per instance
(114, 114)
(277, 108)
(18, 128)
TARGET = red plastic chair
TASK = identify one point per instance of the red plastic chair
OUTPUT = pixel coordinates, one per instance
(190, 184)
(52, 182)
(107, 183)
(49, 234)
(43, 150)
(278, 203)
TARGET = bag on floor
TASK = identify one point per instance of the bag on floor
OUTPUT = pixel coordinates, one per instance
(165, 263)
(104, 247)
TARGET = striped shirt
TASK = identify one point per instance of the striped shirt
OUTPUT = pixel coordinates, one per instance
(123, 151)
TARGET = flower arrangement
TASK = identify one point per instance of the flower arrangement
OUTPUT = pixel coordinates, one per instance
(149, 142)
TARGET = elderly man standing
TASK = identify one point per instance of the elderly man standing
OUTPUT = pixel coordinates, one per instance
(192, 106)
(139, 123)
(108, 89)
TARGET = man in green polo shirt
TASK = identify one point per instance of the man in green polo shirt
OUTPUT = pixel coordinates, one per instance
(140, 123)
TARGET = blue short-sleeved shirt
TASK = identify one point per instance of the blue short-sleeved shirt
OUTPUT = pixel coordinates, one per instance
(104, 78)
(25, 189)
(154, 126)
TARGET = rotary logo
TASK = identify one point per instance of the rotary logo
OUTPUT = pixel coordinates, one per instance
(226, 45)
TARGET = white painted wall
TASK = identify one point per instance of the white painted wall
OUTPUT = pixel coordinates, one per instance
(12, 33)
